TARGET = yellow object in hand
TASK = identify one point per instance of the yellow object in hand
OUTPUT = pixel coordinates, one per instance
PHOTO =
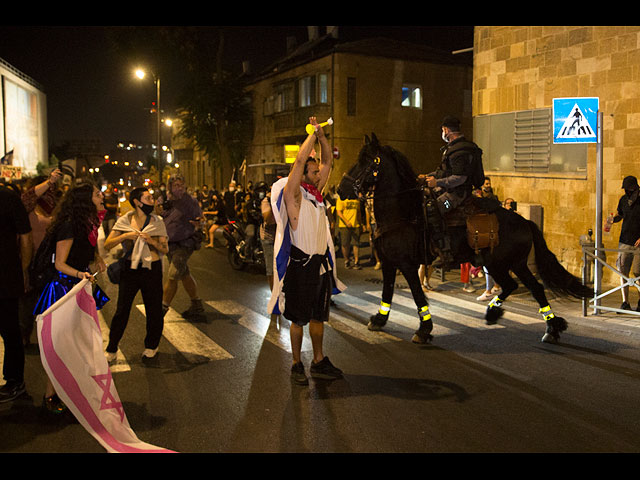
(311, 128)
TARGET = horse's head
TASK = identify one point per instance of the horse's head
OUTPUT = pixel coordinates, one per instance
(363, 175)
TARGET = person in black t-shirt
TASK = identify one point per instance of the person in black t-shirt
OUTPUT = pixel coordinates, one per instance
(75, 228)
(629, 258)
(15, 245)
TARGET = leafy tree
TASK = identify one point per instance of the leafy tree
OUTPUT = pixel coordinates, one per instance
(214, 108)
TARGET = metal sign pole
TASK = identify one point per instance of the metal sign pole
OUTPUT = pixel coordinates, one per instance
(598, 244)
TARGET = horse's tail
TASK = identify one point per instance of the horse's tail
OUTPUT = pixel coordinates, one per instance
(553, 274)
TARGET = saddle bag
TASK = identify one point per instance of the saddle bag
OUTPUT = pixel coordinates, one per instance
(482, 231)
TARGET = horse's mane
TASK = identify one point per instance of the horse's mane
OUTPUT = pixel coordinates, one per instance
(403, 167)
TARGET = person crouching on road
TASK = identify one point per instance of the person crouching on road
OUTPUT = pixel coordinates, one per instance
(144, 238)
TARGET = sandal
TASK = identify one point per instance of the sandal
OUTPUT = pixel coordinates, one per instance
(53, 404)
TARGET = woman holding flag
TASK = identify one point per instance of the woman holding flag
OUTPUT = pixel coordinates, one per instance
(75, 231)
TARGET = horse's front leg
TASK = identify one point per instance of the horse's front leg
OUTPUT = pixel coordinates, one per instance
(379, 320)
(423, 334)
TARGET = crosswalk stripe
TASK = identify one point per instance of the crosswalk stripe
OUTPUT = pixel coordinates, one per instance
(120, 364)
(408, 321)
(189, 340)
(259, 324)
(351, 327)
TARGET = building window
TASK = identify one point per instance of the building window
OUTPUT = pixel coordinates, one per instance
(313, 89)
(522, 142)
(411, 96)
(283, 98)
(323, 88)
(307, 91)
(351, 96)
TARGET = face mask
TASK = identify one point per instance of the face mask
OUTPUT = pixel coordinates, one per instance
(444, 137)
(146, 209)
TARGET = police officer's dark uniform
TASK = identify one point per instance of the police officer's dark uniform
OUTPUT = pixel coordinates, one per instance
(460, 171)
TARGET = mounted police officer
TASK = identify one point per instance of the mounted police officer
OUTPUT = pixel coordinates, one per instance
(459, 173)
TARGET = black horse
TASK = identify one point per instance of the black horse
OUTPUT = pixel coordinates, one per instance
(403, 243)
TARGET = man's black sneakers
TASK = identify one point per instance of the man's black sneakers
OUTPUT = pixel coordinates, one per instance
(325, 370)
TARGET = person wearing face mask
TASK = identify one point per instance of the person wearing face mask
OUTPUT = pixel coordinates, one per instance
(629, 243)
(143, 236)
(459, 173)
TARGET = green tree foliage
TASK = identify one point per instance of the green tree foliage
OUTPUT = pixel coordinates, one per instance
(217, 115)
(214, 108)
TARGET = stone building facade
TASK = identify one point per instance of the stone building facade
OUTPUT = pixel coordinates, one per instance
(399, 91)
(518, 71)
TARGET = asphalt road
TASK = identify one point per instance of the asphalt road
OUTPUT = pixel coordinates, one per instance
(222, 385)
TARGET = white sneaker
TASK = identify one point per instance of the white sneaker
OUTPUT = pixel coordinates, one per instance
(484, 297)
(496, 290)
(110, 356)
(149, 353)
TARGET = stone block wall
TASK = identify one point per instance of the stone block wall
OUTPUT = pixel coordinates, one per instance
(526, 67)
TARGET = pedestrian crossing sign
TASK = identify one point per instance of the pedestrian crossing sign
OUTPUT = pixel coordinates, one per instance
(575, 120)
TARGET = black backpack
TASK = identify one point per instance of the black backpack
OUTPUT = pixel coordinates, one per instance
(42, 269)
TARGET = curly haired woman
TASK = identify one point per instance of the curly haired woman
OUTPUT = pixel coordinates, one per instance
(75, 230)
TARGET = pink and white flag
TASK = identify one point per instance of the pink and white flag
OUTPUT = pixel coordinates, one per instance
(72, 354)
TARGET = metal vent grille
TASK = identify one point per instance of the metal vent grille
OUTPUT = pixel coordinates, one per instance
(532, 140)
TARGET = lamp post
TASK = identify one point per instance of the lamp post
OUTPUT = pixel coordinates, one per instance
(141, 74)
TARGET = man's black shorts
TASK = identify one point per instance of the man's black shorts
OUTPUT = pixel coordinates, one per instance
(307, 292)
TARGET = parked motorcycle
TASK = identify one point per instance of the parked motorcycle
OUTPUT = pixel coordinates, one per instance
(238, 254)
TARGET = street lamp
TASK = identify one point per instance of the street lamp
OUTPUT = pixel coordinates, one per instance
(141, 74)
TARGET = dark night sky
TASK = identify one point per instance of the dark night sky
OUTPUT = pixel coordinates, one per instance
(91, 92)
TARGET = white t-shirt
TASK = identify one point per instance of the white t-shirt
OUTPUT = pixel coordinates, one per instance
(311, 236)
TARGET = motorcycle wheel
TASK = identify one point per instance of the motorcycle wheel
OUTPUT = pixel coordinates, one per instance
(235, 261)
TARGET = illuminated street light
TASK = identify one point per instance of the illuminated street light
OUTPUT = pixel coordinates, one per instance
(141, 74)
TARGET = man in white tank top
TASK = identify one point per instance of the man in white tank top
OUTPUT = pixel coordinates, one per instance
(308, 281)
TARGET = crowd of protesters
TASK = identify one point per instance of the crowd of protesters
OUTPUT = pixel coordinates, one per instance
(172, 220)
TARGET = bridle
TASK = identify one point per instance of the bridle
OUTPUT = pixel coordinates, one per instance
(372, 169)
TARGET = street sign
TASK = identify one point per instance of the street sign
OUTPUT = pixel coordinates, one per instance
(575, 120)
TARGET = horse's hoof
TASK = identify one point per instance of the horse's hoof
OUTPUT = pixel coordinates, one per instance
(374, 327)
(493, 314)
(421, 338)
(555, 325)
(377, 322)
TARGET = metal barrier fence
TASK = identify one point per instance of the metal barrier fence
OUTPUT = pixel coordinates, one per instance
(598, 261)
